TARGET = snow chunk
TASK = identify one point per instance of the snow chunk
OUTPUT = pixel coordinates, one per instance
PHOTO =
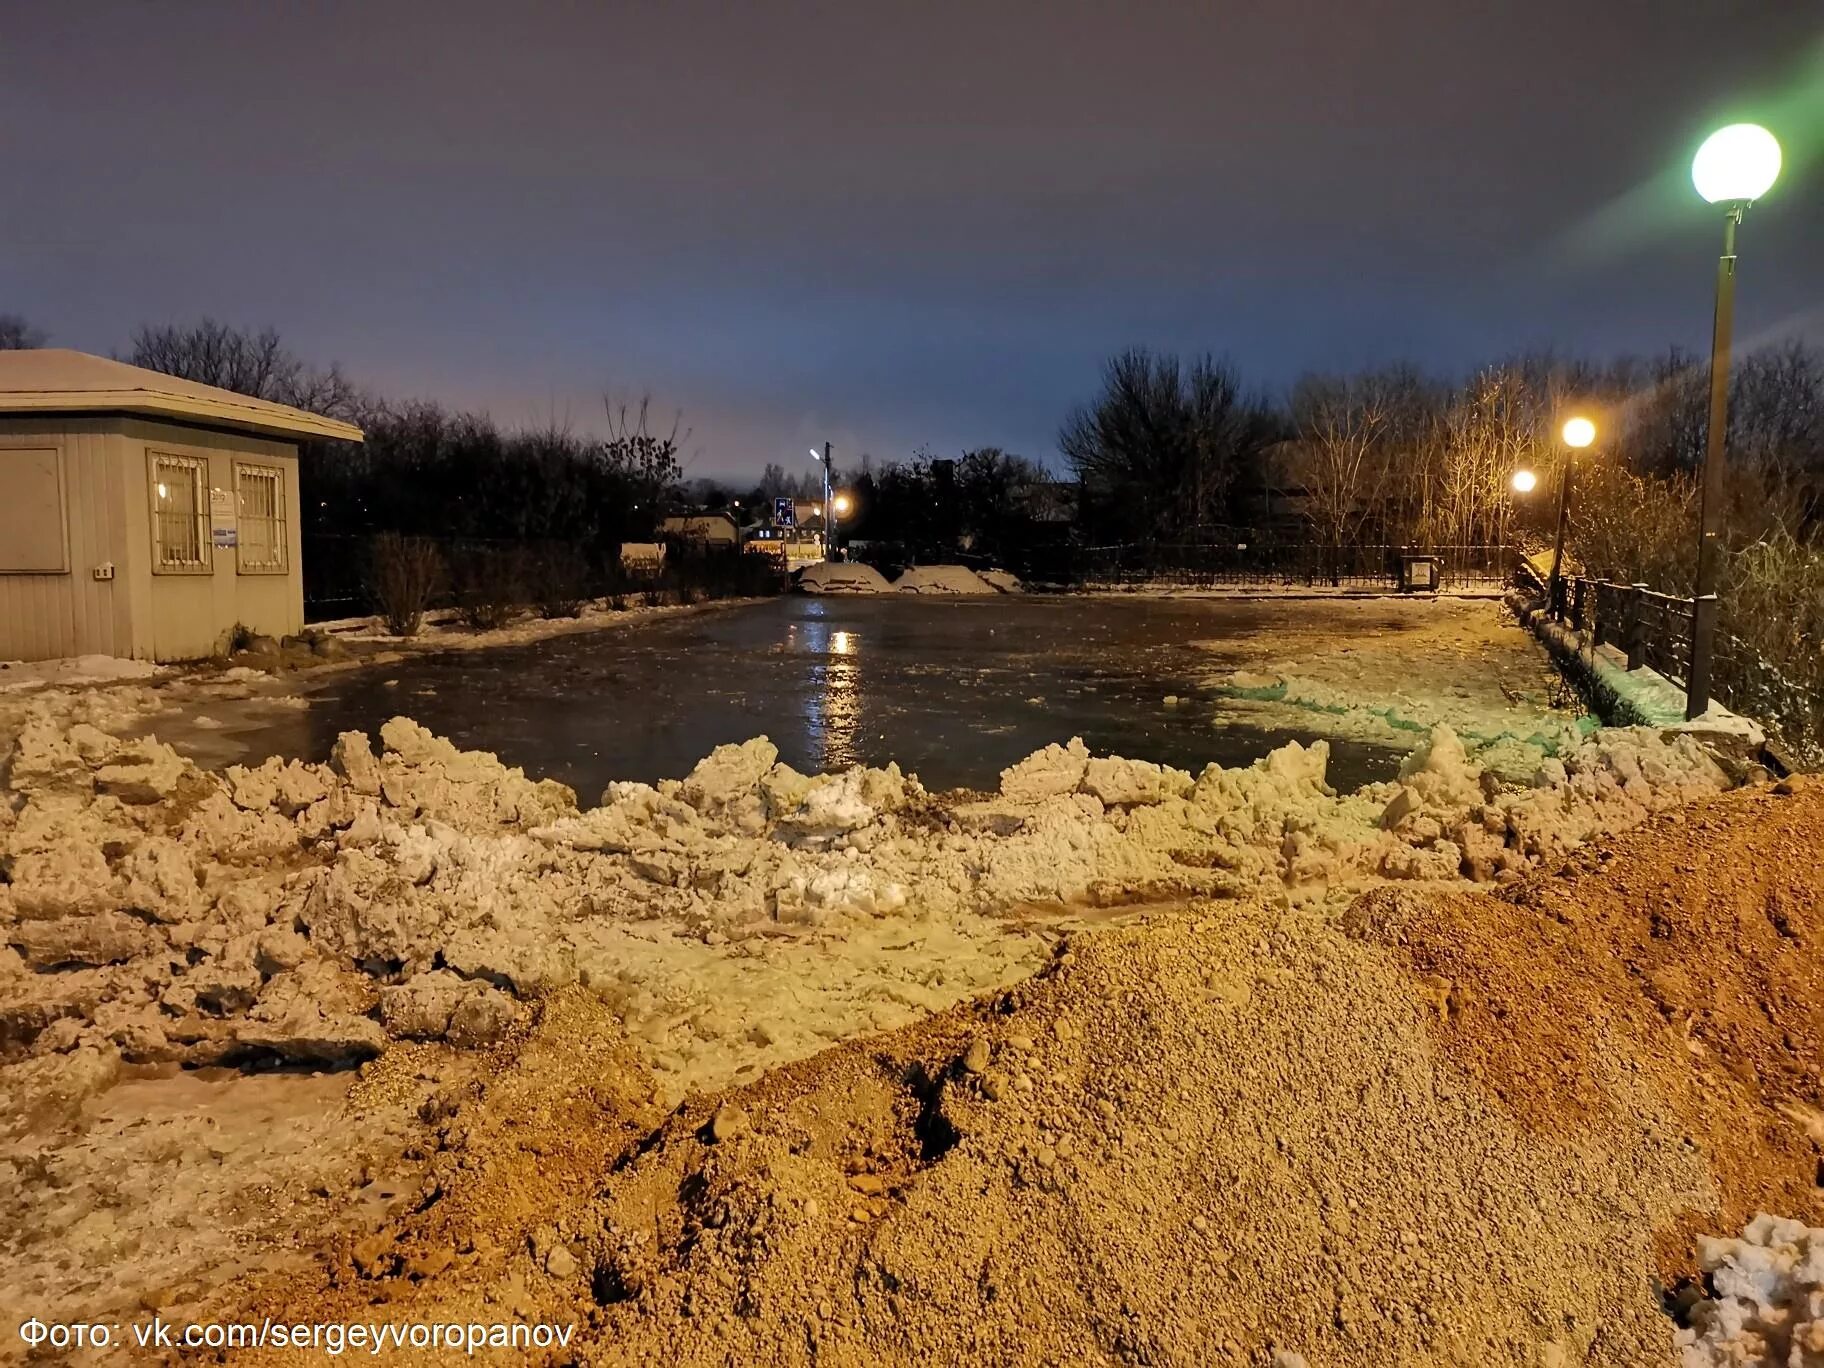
(1130, 783)
(842, 577)
(1046, 773)
(1768, 1311)
(942, 579)
(17, 675)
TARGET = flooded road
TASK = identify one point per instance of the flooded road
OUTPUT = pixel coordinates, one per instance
(954, 690)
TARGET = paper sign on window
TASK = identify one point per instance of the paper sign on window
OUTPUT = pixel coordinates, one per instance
(221, 517)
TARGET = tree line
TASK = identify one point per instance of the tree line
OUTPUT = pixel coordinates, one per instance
(1177, 451)
(1171, 450)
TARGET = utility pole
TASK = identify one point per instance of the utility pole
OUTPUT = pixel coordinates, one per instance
(1710, 492)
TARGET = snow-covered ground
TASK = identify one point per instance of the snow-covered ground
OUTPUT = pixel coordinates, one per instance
(444, 630)
(20, 675)
(1387, 671)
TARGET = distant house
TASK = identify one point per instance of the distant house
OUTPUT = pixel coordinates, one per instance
(710, 529)
(643, 560)
(142, 515)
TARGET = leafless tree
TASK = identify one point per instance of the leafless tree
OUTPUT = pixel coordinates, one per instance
(1160, 450)
(1342, 428)
(254, 364)
(18, 335)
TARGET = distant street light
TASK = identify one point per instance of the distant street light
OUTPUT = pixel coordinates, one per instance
(829, 513)
(1578, 434)
(1525, 482)
(841, 504)
(1735, 166)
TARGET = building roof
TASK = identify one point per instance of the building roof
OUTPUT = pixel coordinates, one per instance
(56, 380)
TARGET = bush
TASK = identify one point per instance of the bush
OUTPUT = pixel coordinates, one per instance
(560, 581)
(408, 571)
(490, 586)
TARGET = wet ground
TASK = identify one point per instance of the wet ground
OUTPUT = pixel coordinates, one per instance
(954, 690)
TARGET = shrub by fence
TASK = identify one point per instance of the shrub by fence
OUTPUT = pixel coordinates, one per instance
(490, 582)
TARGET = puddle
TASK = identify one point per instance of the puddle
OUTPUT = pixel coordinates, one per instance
(953, 690)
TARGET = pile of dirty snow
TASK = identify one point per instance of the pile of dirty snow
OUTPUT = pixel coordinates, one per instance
(1768, 1308)
(842, 577)
(85, 669)
(1001, 581)
(942, 579)
(744, 914)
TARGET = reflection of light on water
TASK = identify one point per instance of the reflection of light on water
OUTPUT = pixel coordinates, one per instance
(832, 712)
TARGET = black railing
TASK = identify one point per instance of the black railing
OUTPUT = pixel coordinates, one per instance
(1649, 628)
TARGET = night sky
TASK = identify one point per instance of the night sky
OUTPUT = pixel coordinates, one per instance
(889, 226)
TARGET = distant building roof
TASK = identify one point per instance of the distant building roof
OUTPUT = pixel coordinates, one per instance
(701, 524)
(55, 380)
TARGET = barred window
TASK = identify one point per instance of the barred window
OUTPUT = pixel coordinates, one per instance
(259, 499)
(180, 513)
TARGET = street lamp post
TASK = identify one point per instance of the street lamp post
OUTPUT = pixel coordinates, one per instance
(1735, 166)
(829, 509)
(1522, 483)
(1578, 434)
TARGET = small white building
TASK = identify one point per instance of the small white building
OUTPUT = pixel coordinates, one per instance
(142, 515)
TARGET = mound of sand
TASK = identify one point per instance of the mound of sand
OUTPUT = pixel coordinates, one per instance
(680, 940)
(1230, 1133)
(842, 577)
(942, 579)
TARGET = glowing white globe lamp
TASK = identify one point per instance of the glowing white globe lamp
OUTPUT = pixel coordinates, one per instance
(1579, 433)
(1525, 482)
(1737, 164)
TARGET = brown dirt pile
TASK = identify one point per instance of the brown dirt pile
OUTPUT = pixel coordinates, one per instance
(1460, 1130)
(1691, 948)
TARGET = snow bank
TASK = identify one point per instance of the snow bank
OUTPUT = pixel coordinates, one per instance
(1002, 581)
(746, 914)
(842, 577)
(942, 579)
(1768, 1311)
(86, 669)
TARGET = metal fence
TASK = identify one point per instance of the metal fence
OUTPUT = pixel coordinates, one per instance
(1269, 565)
(1652, 629)
(1658, 631)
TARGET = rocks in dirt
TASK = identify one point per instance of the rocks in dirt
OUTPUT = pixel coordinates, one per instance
(441, 1004)
(1768, 1308)
(976, 1057)
(730, 1122)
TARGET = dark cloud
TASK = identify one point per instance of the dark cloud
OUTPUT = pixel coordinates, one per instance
(889, 225)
